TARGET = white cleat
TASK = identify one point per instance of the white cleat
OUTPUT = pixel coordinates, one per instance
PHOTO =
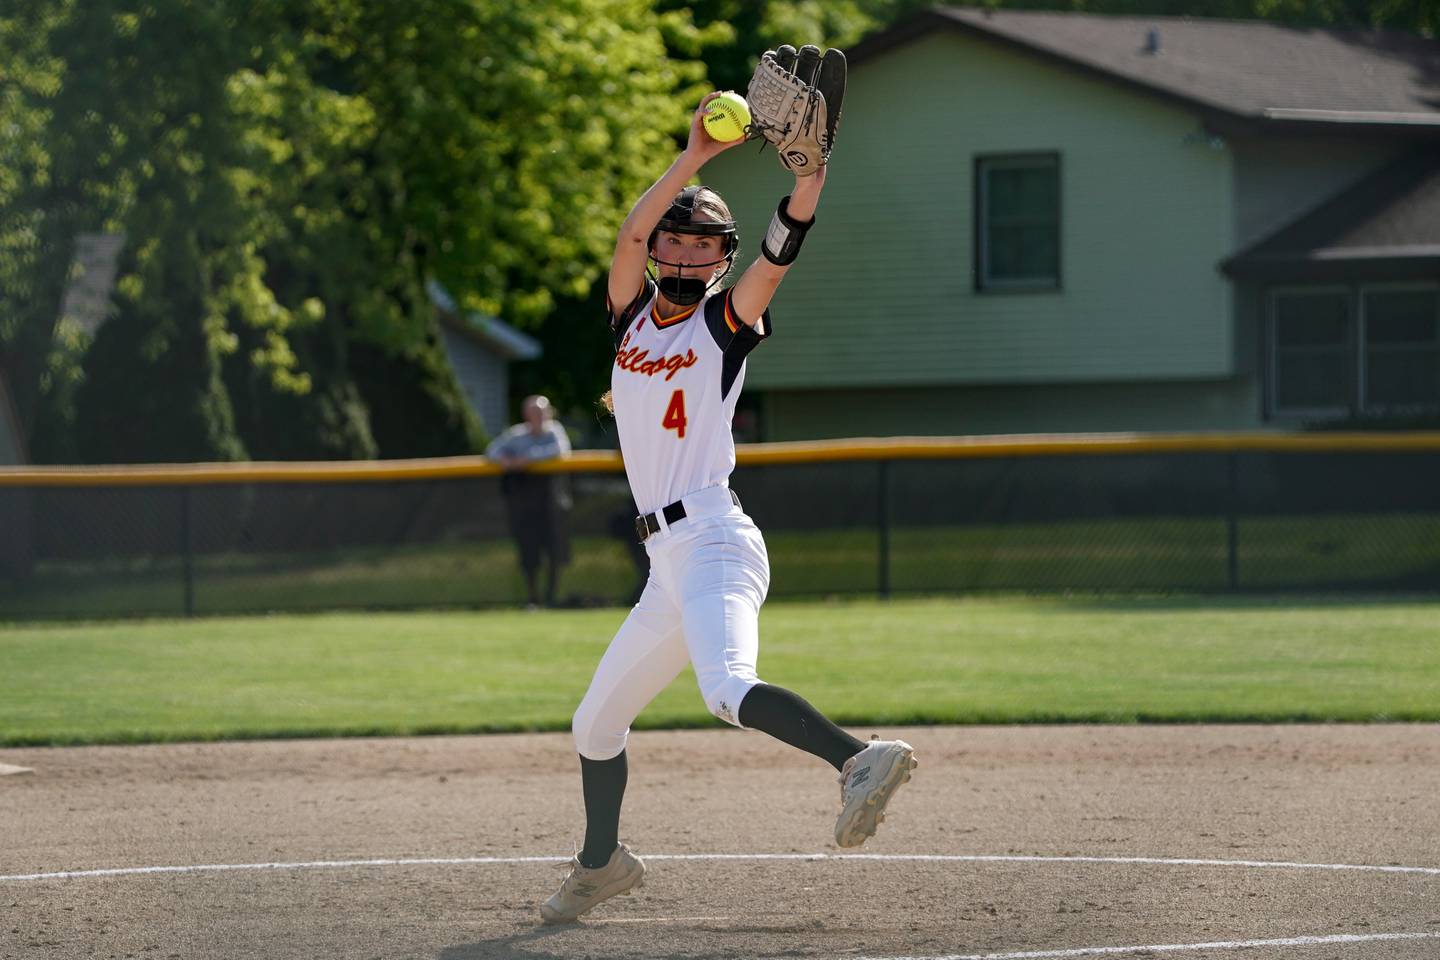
(867, 782)
(584, 888)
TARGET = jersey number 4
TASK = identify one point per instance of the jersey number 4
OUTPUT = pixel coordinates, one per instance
(675, 414)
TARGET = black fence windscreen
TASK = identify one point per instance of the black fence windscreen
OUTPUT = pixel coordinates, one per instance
(1281, 521)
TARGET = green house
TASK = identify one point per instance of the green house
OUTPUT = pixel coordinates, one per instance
(1055, 222)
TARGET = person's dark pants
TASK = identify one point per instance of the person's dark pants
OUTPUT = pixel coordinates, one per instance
(537, 524)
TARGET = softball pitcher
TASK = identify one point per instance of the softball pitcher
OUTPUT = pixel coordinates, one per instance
(681, 343)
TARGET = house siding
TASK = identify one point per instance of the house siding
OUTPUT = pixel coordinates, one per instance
(1231, 404)
(1277, 181)
(883, 294)
(483, 377)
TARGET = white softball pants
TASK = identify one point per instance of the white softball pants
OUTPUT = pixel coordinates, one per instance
(708, 577)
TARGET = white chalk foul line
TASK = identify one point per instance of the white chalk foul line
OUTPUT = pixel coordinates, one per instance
(604, 920)
(1334, 940)
(895, 857)
(301, 865)
(963, 858)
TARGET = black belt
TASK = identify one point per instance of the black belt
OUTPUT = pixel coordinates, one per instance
(649, 525)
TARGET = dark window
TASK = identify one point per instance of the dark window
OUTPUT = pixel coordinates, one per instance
(1314, 351)
(1018, 222)
(1402, 349)
(1346, 350)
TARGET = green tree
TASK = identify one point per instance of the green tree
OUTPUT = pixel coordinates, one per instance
(731, 34)
(136, 140)
(151, 150)
(35, 216)
(497, 147)
(287, 180)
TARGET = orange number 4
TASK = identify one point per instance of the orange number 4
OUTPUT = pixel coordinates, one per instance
(675, 414)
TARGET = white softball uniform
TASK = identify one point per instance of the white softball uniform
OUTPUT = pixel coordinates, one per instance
(674, 384)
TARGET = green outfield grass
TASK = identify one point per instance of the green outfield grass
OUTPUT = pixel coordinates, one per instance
(1381, 551)
(994, 660)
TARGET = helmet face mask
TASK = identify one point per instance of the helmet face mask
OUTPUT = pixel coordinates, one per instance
(685, 290)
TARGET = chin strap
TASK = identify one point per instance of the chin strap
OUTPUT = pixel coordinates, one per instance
(682, 291)
(686, 291)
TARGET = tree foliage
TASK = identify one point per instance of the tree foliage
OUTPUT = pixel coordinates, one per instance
(286, 181)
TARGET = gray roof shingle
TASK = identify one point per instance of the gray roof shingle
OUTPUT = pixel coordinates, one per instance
(1392, 215)
(1245, 69)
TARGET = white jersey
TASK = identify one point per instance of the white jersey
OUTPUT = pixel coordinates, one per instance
(674, 385)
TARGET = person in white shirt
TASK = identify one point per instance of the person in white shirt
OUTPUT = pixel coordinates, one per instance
(681, 343)
(537, 503)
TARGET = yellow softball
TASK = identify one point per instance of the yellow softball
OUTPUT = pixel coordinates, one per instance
(726, 117)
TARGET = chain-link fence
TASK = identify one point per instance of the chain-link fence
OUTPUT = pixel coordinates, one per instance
(1247, 513)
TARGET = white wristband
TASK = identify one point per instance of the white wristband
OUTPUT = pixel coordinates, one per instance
(782, 240)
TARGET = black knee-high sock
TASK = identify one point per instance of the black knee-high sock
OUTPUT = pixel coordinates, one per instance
(789, 717)
(603, 782)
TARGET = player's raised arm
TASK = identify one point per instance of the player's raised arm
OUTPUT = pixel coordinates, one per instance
(795, 100)
(794, 216)
(632, 245)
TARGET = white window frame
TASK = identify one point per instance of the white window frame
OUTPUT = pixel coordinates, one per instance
(1029, 160)
(1363, 342)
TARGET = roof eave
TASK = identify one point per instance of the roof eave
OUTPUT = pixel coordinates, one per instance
(1275, 120)
(1335, 263)
(501, 340)
(489, 332)
(1221, 117)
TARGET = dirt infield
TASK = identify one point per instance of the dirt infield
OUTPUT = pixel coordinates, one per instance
(997, 811)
